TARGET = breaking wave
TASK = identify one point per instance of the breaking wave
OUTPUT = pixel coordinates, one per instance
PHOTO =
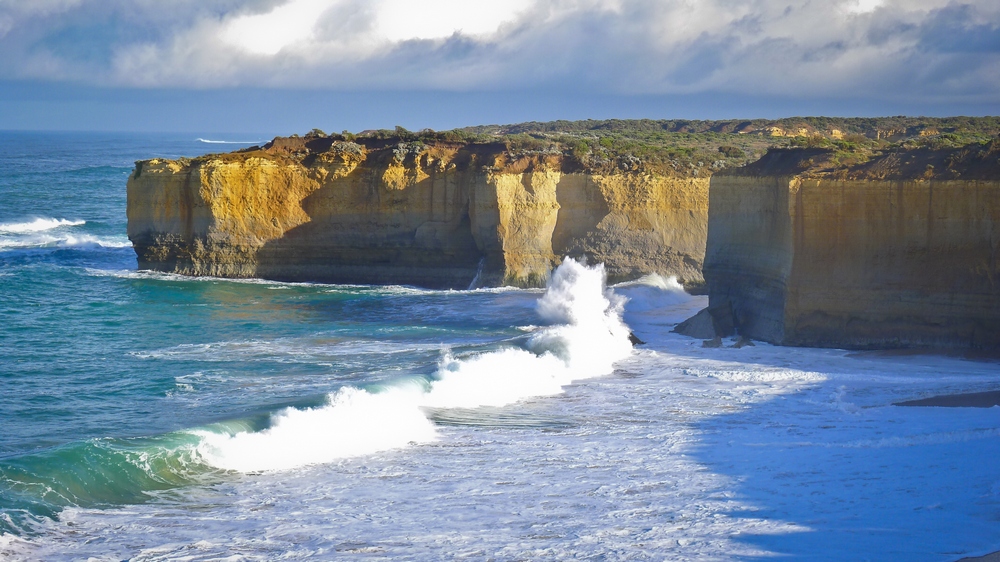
(210, 141)
(63, 241)
(37, 225)
(53, 233)
(586, 336)
(583, 338)
(653, 292)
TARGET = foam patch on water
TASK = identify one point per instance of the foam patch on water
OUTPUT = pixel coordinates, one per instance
(586, 337)
(656, 304)
(306, 350)
(385, 290)
(269, 283)
(164, 276)
(211, 141)
(653, 292)
(54, 233)
(749, 374)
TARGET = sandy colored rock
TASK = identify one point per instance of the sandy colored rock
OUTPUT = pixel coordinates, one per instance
(432, 215)
(806, 259)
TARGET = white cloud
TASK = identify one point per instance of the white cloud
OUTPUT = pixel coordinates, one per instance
(865, 6)
(268, 33)
(294, 23)
(880, 48)
(401, 20)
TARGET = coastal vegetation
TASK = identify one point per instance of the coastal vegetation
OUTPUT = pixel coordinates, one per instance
(694, 148)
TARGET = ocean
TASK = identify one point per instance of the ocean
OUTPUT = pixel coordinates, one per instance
(148, 416)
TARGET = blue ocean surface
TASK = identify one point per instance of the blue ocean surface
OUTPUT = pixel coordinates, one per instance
(150, 416)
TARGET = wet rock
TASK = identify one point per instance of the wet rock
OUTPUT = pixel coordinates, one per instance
(699, 326)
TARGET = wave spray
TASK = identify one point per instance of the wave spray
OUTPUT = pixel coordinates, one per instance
(586, 336)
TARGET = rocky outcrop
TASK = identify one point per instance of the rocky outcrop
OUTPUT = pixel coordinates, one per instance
(900, 251)
(385, 211)
(699, 326)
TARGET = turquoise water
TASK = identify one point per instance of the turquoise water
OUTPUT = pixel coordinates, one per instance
(148, 417)
(102, 368)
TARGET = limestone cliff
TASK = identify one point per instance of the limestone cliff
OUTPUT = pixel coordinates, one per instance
(430, 214)
(900, 251)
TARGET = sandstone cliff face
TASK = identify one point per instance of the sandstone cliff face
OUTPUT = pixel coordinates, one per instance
(801, 258)
(432, 215)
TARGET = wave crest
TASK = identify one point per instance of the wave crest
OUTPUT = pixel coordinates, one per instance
(37, 225)
(588, 338)
(210, 141)
(81, 241)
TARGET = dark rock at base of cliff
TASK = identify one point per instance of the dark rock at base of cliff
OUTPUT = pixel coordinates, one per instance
(723, 319)
(634, 340)
(699, 326)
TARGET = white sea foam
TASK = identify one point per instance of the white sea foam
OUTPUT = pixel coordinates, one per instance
(210, 141)
(749, 373)
(37, 225)
(46, 240)
(355, 422)
(292, 350)
(653, 292)
(585, 340)
(692, 454)
(53, 233)
(272, 284)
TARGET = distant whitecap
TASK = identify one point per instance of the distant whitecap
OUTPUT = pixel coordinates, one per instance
(37, 225)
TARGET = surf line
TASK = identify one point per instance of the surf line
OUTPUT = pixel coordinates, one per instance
(584, 338)
(37, 225)
(209, 141)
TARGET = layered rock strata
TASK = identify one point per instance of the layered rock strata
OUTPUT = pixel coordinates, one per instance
(435, 215)
(902, 251)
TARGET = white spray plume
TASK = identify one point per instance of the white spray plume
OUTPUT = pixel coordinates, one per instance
(586, 338)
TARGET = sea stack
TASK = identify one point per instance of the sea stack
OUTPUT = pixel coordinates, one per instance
(902, 250)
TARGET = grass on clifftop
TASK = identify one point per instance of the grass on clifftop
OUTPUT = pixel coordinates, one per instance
(700, 148)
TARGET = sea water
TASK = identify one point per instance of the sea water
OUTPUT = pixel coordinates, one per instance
(149, 416)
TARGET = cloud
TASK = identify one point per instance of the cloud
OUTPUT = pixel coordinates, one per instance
(906, 49)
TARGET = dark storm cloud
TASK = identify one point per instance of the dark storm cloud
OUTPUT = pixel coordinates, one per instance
(959, 28)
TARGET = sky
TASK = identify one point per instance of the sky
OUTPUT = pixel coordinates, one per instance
(284, 66)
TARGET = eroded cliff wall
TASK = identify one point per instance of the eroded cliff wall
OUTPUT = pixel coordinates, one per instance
(432, 215)
(749, 254)
(859, 262)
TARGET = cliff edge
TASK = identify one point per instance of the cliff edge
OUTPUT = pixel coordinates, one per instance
(435, 214)
(901, 249)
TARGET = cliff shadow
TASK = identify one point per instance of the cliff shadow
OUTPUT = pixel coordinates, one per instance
(383, 222)
(581, 209)
(810, 439)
